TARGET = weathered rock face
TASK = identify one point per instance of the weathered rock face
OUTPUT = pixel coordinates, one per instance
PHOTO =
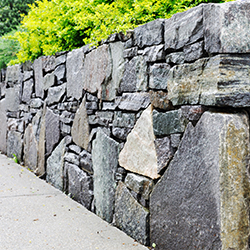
(158, 76)
(105, 162)
(14, 145)
(130, 216)
(194, 204)
(80, 128)
(78, 185)
(55, 166)
(97, 70)
(38, 72)
(55, 94)
(139, 154)
(12, 74)
(27, 90)
(219, 81)
(3, 128)
(13, 98)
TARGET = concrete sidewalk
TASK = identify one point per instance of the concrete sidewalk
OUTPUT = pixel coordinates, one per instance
(34, 215)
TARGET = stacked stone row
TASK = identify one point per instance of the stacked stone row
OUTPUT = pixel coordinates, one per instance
(118, 127)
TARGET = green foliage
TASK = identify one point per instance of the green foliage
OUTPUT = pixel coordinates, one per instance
(8, 49)
(15, 158)
(58, 25)
(10, 13)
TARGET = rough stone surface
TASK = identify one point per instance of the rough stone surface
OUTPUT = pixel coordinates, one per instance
(48, 63)
(171, 122)
(139, 184)
(36, 103)
(80, 128)
(30, 148)
(12, 74)
(158, 75)
(14, 145)
(134, 101)
(52, 131)
(154, 53)
(176, 58)
(105, 162)
(227, 27)
(97, 70)
(131, 52)
(159, 99)
(27, 90)
(86, 162)
(60, 73)
(195, 205)
(79, 185)
(149, 34)
(3, 128)
(55, 94)
(120, 133)
(75, 76)
(72, 158)
(48, 81)
(138, 154)
(60, 60)
(175, 140)
(122, 119)
(184, 28)
(219, 81)
(135, 75)
(194, 51)
(130, 216)
(193, 113)
(27, 75)
(55, 166)
(38, 72)
(13, 98)
(164, 152)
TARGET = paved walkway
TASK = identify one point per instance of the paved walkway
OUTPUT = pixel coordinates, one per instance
(34, 215)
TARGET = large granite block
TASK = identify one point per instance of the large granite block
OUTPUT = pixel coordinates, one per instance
(200, 202)
(38, 73)
(13, 98)
(27, 90)
(105, 162)
(15, 145)
(3, 128)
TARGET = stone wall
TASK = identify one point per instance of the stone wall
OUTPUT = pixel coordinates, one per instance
(150, 131)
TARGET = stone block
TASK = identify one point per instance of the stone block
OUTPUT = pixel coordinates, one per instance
(97, 70)
(149, 34)
(66, 117)
(184, 28)
(175, 58)
(60, 73)
(194, 112)
(48, 81)
(3, 128)
(175, 140)
(134, 101)
(48, 63)
(12, 98)
(138, 154)
(27, 75)
(200, 201)
(158, 75)
(55, 94)
(135, 75)
(170, 122)
(55, 166)
(130, 216)
(124, 120)
(60, 59)
(160, 100)
(86, 162)
(154, 53)
(38, 74)
(75, 76)
(75, 149)
(80, 127)
(15, 145)
(27, 90)
(194, 51)
(226, 27)
(13, 73)
(120, 133)
(36, 103)
(72, 158)
(79, 185)
(105, 162)
(131, 52)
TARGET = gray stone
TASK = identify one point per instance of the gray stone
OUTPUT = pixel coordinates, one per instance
(60, 72)
(55, 94)
(65, 129)
(139, 184)
(194, 51)
(80, 127)
(211, 82)
(131, 52)
(86, 162)
(121, 133)
(111, 105)
(36, 103)
(3, 128)
(158, 75)
(60, 60)
(27, 66)
(175, 58)
(138, 154)
(154, 54)
(48, 81)
(110, 88)
(130, 216)
(91, 98)
(135, 75)
(95, 130)
(72, 158)
(159, 99)
(55, 166)
(52, 130)
(36, 124)
(91, 107)
(184, 28)
(171, 122)
(66, 117)
(194, 205)
(30, 148)
(149, 34)
(75, 76)
(38, 73)
(27, 75)
(105, 163)
(75, 149)
(13, 73)
(227, 27)
(193, 113)
(27, 90)
(13, 98)
(48, 63)
(97, 70)
(124, 120)
(129, 43)
(79, 185)
(14, 145)
(134, 101)
(175, 140)
(164, 152)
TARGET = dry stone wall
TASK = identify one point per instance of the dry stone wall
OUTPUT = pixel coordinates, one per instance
(150, 131)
